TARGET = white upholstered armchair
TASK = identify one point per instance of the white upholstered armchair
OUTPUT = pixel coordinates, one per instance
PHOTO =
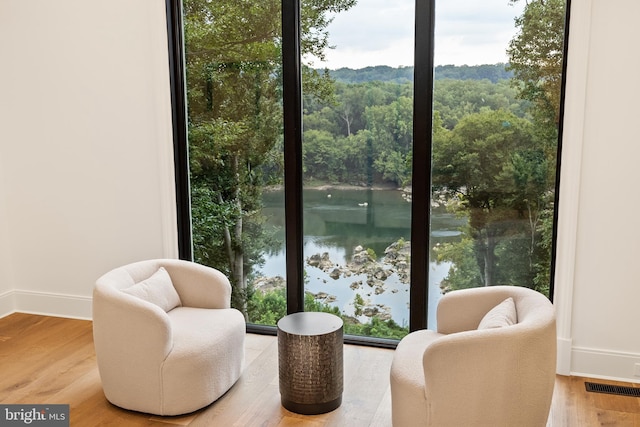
(491, 362)
(167, 341)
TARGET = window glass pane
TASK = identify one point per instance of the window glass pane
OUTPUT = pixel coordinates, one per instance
(496, 113)
(357, 163)
(233, 68)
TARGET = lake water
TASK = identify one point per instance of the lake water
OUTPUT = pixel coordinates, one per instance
(336, 222)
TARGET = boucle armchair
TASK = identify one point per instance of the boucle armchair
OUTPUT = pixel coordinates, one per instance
(491, 362)
(166, 340)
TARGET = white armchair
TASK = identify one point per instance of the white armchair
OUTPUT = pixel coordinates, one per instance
(472, 374)
(167, 341)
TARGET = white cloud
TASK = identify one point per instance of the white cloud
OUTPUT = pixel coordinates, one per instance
(474, 32)
(380, 32)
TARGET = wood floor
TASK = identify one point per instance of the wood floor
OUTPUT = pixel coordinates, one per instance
(49, 360)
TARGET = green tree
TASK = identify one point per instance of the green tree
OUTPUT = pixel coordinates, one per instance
(232, 57)
(536, 59)
(455, 99)
(464, 272)
(322, 119)
(536, 55)
(321, 157)
(391, 127)
(357, 165)
(475, 163)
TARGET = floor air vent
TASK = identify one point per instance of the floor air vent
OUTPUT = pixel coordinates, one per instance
(613, 389)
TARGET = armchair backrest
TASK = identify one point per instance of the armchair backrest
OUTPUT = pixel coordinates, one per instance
(197, 285)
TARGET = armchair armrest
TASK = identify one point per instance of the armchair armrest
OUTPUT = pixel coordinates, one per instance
(462, 385)
(128, 328)
(199, 286)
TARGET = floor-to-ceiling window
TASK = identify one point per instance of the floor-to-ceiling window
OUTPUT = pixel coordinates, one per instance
(495, 147)
(425, 147)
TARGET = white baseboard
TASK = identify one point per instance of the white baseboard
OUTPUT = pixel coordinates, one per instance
(44, 303)
(6, 304)
(607, 365)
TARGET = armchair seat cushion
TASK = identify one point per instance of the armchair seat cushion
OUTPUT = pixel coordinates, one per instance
(203, 361)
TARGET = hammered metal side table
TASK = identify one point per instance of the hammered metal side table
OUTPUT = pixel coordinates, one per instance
(310, 362)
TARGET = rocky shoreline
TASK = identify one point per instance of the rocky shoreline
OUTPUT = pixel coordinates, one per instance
(363, 262)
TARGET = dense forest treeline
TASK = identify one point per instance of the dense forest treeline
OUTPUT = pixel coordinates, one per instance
(384, 73)
(363, 135)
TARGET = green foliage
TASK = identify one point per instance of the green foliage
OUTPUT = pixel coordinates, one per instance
(364, 133)
(473, 158)
(464, 272)
(380, 73)
(542, 269)
(321, 156)
(376, 328)
(489, 161)
(536, 55)
(268, 308)
(455, 99)
(374, 122)
(491, 72)
(358, 304)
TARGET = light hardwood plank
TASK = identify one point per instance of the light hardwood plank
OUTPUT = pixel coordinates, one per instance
(47, 360)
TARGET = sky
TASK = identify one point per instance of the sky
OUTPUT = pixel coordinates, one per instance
(380, 32)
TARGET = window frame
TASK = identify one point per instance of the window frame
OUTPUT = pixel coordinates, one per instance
(292, 116)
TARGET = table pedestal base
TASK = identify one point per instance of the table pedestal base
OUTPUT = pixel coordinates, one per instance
(312, 408)
(310, 362)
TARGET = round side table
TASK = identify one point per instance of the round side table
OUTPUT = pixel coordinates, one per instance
(310, 362)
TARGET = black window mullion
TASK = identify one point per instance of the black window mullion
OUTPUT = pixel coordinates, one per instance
(292, 112)
(421, 176)
(556, 202)
(179, 125)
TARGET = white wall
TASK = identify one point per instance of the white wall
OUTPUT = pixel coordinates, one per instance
(85, 145)
(598, 291)
(6, 280)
